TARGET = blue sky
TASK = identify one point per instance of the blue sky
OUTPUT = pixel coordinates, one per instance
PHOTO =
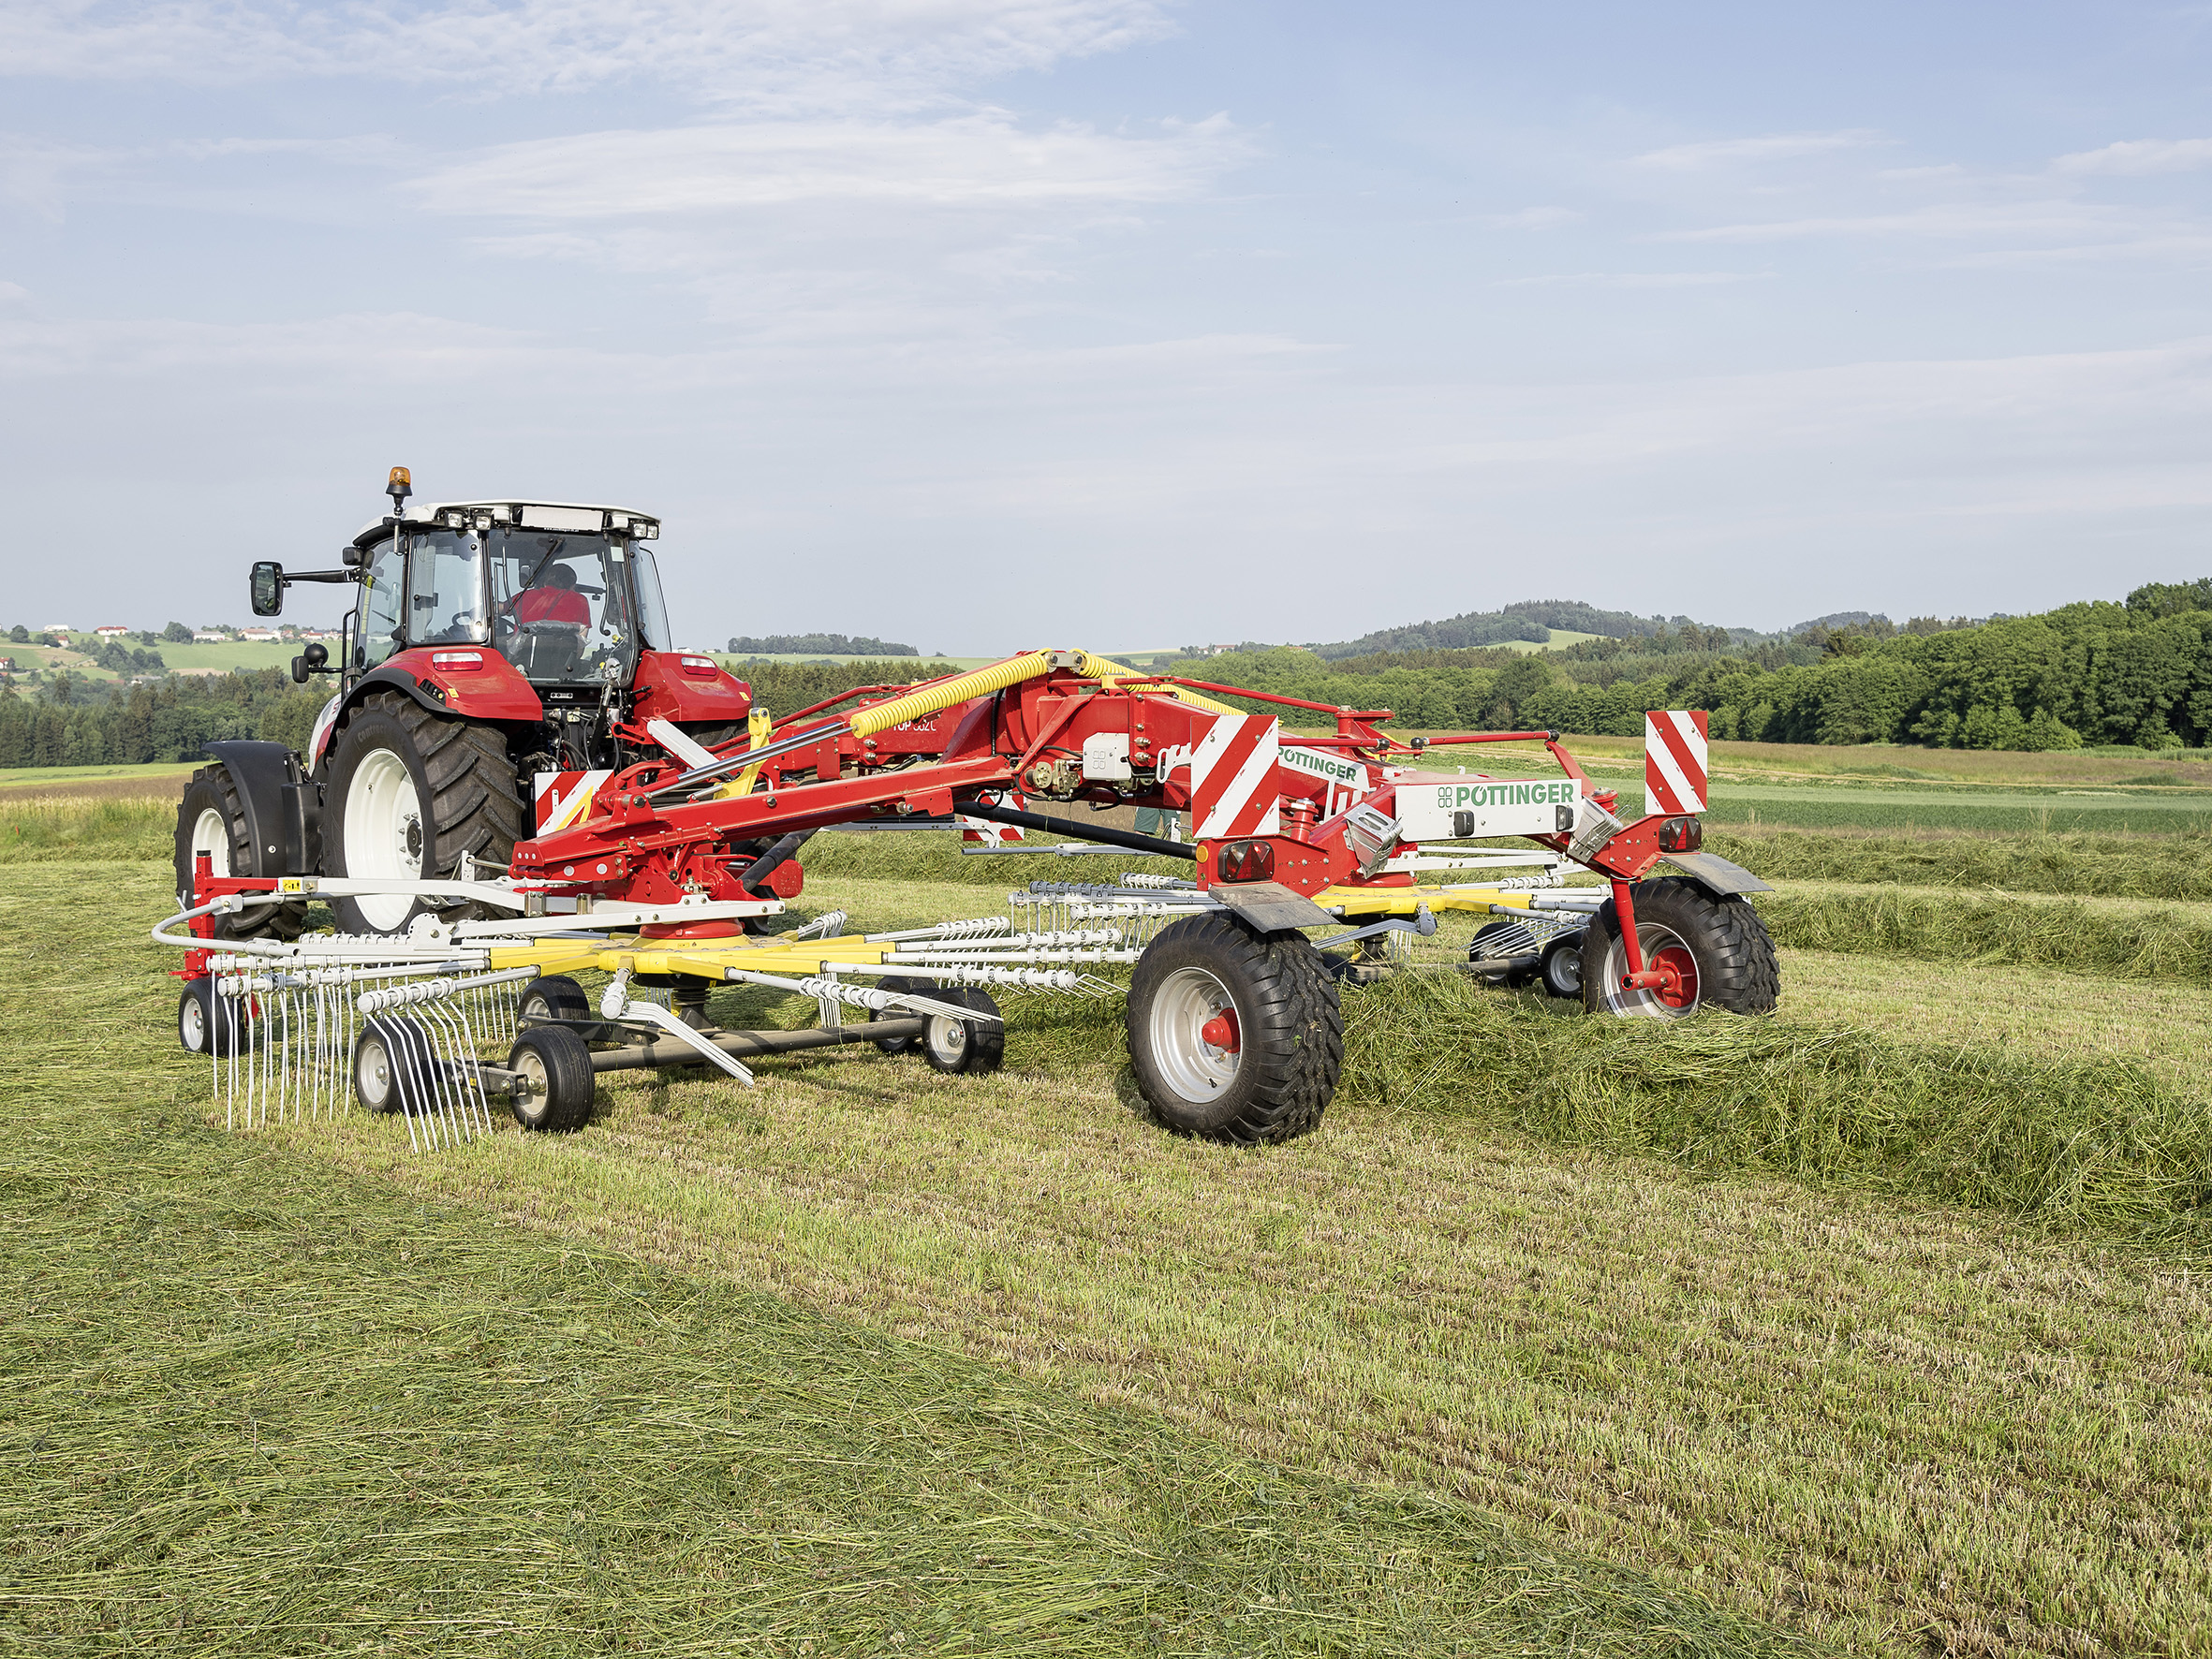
(992, 323)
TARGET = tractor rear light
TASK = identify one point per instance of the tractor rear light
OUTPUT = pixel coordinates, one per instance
(457, 662)
(1246, 861)
(703, 666)
(1681, 835)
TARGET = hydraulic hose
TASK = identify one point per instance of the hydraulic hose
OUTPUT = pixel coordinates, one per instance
(1098, 667)
(945, 693)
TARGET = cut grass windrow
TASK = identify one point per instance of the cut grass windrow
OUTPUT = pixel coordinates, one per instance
(2105, 866)
(2113, 941)
(2094, 1146)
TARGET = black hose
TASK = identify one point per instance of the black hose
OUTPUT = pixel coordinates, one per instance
(761, 866)
(1075, 831)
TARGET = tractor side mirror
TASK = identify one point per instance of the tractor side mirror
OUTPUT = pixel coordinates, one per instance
(308, 662)
(267, 587)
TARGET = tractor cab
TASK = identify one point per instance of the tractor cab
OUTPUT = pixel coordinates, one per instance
(567, 594)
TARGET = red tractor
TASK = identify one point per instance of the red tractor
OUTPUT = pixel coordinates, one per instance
(502, 658)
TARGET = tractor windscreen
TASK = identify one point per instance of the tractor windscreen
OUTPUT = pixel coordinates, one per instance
(560, 605)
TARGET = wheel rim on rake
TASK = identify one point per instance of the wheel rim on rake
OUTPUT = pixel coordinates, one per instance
(1667, 951)
(1195, 1034)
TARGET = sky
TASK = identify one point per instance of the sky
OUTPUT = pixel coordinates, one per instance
(988, 324)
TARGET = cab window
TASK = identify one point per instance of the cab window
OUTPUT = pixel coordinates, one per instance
(445, 589)
(382, 608)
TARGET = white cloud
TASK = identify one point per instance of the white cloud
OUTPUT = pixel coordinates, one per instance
(813, 53)
(1771, 147)
(2140, 155)
(984, 159)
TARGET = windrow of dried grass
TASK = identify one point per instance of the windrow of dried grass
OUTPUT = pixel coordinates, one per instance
(2109, 866)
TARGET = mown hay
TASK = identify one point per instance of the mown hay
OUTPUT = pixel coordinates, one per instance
(2046, 933)
(2089, 1146)
(2073, 864)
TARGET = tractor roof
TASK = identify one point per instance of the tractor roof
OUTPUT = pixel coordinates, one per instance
(575, 518)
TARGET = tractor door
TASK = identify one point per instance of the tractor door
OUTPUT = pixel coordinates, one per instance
(382, 626)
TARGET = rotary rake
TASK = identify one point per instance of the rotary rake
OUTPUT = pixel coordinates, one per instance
(1316, 862)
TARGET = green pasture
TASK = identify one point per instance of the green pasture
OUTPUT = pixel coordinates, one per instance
(2111, 810)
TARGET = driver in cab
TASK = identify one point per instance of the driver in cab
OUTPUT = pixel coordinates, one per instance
(557, 601)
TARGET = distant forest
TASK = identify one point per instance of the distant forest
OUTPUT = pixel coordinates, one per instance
(818, 645)
(2096, 673)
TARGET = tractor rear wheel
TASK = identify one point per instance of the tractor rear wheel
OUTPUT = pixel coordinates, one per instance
(1234, 1035)
(211, 819)
(1716, 951)
(409, 792)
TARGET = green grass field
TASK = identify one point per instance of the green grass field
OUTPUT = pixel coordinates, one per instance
(1878, 1327)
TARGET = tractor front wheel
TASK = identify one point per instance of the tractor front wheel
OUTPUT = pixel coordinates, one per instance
(409, 792)
(1715, 952)
(1234, 1035)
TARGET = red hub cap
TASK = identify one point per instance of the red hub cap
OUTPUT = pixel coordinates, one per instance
(1220, 1031)
(1678, 977)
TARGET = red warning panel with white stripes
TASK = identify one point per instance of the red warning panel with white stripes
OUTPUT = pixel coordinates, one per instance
(1232, 784)
(1675, 762)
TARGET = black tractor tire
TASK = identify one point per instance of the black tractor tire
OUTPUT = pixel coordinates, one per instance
(895, 982)
(1276, 1079)
(211, 816)
(1722, 940)
(395, 1067)
(956, 1046)
(208, 1023)
(554, 1079)
(409, 792)
(1560, 972)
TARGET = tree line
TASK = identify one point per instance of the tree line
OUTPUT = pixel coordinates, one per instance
(2095, 673)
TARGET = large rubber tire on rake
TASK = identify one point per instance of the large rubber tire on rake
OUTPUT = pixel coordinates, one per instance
(1233, 1035)
(211, 819)
(1719, 944)
(409, 792)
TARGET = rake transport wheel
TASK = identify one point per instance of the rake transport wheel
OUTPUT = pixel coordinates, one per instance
(952, 1045)
(212, 820)
(922, 986)
(208, 1023)
(1234, 1035)
(1718, 951)
(394, 1066)
(1560, 972)
(554, 1079)
(554, 996)
(409, 792)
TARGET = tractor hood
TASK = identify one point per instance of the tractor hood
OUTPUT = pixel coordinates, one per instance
(575, 518)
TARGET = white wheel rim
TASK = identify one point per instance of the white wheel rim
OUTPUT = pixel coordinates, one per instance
(373, 1075)
(211, 834)
(192, 1023)
(1644, 1004)
(1191, 1066)
(947, 1038)
(531, 1085)
(384, 835)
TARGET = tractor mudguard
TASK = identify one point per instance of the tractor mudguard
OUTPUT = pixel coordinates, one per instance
(689, 688)
(1715, 874)
(479, 684)
(283, 809)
